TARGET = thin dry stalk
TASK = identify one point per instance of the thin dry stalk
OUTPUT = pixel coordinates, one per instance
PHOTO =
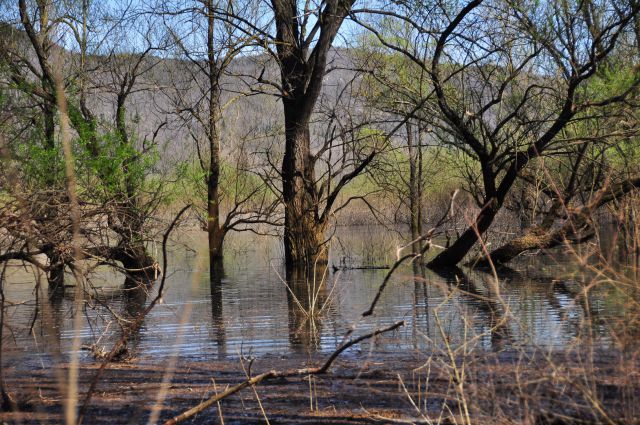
(74, 211)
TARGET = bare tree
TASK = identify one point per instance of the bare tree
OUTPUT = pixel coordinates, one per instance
(505, 91)
(303, 39)
(203, 103)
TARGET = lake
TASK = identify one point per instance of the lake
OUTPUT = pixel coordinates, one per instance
(249, 310)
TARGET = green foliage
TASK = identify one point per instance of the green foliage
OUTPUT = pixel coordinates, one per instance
(612, 79)
(369, 139)
(118, 167)
(609, 128)
(40, 165)
(235, 185)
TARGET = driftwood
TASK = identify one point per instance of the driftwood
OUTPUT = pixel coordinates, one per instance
(274, 374)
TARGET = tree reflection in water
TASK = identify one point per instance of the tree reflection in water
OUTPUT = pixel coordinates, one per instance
(306, 301)
(217, 313)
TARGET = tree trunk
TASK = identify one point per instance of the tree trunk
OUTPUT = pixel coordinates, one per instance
(494, 199)
(415, 193)
(303, 230)
(216, 240)
(55, 275)
(133, 254)
(140, 266)
(451, 256)
(301, 73)
(215, 232)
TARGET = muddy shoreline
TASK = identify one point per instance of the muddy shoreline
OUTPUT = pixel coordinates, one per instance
(505, 387)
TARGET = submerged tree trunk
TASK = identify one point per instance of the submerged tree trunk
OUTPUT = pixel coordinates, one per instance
(139, 265)
(216, 241)
(454, 254)
(303, 230)
(55, 274)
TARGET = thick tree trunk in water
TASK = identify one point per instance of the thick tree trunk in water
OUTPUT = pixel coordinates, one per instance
(302, 71)
(451, 256)
(303, 231)
(216, 233)
(140, 266)
(495, 197)
(55, 274)
(216, 240)
(303, 241)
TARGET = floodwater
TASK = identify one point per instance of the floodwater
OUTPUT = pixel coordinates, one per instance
(249, 310)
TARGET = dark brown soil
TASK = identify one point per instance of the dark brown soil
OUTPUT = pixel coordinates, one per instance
(497, 388)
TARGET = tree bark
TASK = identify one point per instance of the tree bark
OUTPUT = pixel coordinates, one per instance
(216, 241)
(55, 274)
(216, 233)
(415, 190)
(139, 265)
(303, 230)
(451, 256)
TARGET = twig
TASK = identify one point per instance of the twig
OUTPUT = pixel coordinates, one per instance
(383, 285)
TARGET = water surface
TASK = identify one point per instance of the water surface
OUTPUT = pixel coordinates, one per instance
(249, 309)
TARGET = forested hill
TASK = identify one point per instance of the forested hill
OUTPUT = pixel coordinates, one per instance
(166, 87)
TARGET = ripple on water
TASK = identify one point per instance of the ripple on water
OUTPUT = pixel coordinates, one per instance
(250, 312)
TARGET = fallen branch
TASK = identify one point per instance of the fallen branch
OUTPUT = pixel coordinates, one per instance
(337, 268)
(274, 374)
(577, 228)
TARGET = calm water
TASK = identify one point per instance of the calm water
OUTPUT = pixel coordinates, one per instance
(250, 311)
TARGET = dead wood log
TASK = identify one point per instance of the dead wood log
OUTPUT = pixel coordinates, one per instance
(577, 228)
